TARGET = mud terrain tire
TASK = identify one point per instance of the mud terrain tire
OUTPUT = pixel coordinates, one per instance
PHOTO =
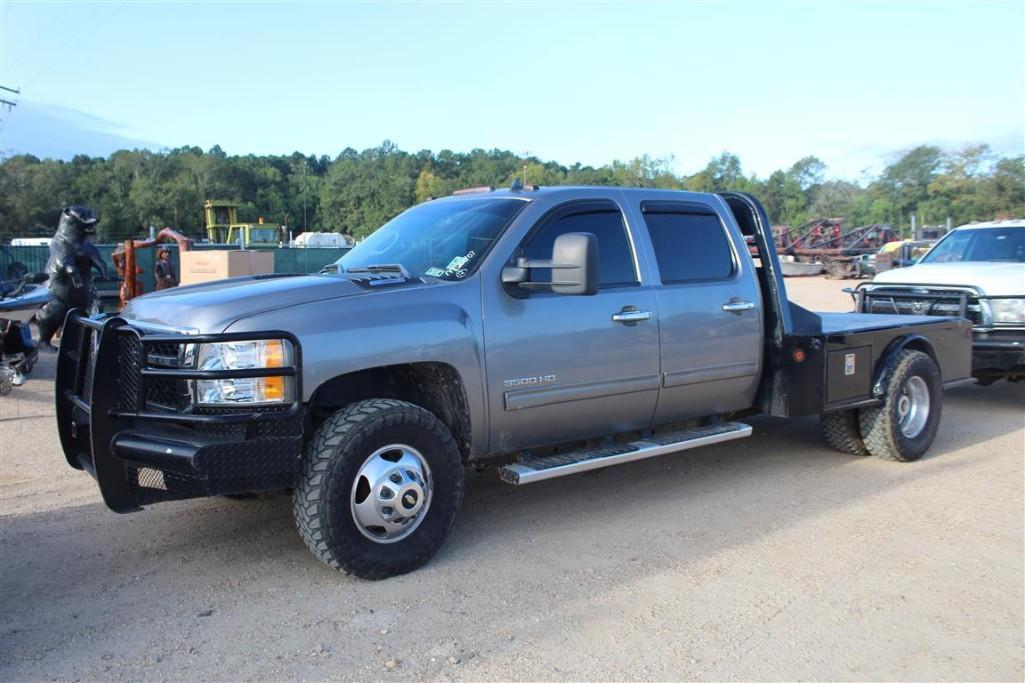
(332, 462)
(842, 432)
(904, 426)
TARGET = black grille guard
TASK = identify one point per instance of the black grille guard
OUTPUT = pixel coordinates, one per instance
(92, 384)
(963, 295)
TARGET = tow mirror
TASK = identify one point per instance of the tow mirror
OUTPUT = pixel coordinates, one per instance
(574, 266)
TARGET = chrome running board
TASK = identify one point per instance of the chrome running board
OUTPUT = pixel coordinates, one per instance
(562, 464)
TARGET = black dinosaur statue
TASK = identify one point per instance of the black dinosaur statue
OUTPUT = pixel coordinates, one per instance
(72, 259)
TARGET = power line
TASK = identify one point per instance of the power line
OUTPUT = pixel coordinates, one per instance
(34, 44)
(9, 103)
(100, 21)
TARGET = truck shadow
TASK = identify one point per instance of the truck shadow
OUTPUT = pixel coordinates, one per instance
(88, 569)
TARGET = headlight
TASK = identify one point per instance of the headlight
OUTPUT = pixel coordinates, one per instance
(1008, 311)
(244, 355)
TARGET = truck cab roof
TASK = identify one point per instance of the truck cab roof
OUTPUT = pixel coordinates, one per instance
(1007, 223)
(557, 192)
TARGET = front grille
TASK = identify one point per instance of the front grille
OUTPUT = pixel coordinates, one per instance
(237, 430)
(155, 486)
(162, 395)
(167, 394)
(938, 302)
(145, 358)
(89, 348)
(163, 355)
(128, 381)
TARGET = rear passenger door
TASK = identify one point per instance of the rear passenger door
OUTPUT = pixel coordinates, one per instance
(567, 367)
(710, 311)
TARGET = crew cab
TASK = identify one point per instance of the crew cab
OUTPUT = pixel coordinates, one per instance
(538, 332)
(976, 271)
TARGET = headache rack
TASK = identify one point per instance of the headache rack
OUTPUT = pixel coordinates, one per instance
(126, 415)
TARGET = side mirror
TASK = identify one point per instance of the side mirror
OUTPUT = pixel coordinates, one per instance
(574, 267)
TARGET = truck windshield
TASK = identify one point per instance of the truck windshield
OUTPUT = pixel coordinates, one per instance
(263, 235)
(980, 244)
(444, 239)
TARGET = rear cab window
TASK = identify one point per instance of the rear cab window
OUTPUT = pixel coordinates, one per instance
(690, 242)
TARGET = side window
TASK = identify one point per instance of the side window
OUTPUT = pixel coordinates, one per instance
(689, 247)
(614, 252)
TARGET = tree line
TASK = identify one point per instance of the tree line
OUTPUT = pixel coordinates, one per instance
(358, 191)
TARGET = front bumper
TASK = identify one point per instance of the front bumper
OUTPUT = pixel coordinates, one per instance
(116, 421)
(998, 353)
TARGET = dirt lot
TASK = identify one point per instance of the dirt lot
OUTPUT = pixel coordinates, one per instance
(768, 558)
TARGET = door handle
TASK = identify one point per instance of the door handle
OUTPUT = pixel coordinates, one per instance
(631, 315)
(737, 306)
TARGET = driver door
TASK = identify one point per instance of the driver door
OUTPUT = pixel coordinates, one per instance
(560, 367)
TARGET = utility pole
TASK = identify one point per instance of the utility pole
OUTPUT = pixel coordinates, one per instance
(8, 103)
(304, 195)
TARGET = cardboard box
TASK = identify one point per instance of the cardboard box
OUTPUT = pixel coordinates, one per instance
(204, 266)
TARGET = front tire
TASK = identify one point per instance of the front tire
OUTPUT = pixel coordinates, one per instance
(904, 426)
(380, 486)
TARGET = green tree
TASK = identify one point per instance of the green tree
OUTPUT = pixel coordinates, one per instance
(722, 173)
(363, 191)
(905, 183)
(357, 191)
(834, 198)
(428, 185)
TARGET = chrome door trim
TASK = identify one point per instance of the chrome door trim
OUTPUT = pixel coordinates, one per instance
(677, 378)
(544, 396)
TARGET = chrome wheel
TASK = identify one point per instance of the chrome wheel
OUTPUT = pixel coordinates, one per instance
(391, 493)
(913, 407)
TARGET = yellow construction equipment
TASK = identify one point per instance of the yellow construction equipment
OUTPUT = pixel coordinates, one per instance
(221, 220)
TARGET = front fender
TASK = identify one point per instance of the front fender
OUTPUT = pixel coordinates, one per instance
(439, 324)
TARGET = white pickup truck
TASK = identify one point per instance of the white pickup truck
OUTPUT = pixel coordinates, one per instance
(977, 272)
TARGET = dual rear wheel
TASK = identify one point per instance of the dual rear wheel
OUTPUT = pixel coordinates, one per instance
(904, 425)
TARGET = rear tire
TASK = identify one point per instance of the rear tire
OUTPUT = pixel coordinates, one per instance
(842, 432)
(376, 458)
(904, 426)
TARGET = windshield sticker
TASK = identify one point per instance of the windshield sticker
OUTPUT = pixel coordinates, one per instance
(435, 272)
(457, 263)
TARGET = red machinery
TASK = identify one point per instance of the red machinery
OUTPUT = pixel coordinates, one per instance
(827, 241)
(124, 261)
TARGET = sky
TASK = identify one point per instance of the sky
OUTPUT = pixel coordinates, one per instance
(854, 83)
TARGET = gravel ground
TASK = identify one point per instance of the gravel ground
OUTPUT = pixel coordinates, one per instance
(767, 558)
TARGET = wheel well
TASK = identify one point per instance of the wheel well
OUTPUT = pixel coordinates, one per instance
(921, 344)
(914, 343)
(436, 387)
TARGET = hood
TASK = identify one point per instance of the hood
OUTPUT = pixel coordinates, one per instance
(212, 306)
(993, 278)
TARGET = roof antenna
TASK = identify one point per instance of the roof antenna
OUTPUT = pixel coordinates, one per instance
(517, 185)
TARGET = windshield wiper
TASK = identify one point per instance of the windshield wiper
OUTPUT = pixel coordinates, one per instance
(381, 268)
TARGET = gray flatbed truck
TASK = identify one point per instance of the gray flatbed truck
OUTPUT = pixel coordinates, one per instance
(539, 332)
